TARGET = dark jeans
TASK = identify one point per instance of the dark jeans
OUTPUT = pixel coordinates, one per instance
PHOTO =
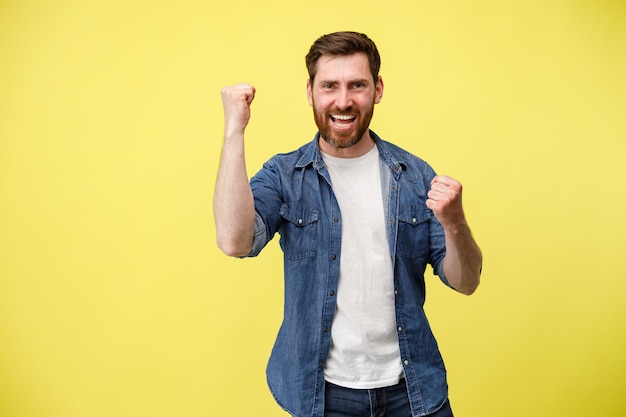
(380, 402)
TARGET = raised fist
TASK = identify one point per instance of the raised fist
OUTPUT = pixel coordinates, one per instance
(236, 100)
(445, 200)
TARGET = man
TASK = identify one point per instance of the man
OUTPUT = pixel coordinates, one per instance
(359, 219)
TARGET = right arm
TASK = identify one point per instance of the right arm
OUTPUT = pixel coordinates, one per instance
(233, 203)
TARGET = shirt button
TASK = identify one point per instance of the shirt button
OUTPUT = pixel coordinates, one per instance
(413, 219)
(406, 361)
(333, 257)
(325, 329)
(299, 221)
(335, 219)
(331, 293)
(399, 328)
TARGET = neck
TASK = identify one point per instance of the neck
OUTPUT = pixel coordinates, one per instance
(363, 146)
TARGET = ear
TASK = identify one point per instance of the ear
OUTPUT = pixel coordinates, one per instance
(309, 92)
(379, 90)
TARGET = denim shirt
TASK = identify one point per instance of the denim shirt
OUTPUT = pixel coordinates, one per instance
(293, 196)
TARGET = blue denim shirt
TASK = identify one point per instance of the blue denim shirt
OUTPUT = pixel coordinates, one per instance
(293, 196)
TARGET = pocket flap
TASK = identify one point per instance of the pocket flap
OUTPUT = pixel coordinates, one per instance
(298, 214)
(414, 215)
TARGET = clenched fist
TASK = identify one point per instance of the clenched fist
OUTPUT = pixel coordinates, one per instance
(444, 199)
(236, 100)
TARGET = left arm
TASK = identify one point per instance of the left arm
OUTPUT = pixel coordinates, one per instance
(463, 261)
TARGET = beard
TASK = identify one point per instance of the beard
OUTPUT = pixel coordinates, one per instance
(342, 139)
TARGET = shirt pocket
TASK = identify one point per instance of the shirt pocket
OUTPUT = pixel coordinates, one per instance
(413, 231)
(299, 231)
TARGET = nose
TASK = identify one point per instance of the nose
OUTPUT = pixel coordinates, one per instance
(344, 99)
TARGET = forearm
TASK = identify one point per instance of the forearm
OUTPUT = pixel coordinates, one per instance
(233, 203)
(463, 261)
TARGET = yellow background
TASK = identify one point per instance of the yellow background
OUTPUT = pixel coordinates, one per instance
(114, 299)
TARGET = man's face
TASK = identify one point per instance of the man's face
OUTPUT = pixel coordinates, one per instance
(343, 95)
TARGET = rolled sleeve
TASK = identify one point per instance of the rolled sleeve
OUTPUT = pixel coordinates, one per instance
(260, 236)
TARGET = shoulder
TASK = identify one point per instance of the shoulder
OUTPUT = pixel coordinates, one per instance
(300, 157)
(410, 162)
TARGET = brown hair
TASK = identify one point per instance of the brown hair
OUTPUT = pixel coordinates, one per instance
(343, 43)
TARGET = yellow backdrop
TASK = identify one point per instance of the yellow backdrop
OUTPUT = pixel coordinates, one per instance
(114, 299)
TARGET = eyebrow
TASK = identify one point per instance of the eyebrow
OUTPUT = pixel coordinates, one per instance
(357, 80)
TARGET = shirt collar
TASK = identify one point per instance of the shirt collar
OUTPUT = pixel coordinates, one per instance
(312, 155)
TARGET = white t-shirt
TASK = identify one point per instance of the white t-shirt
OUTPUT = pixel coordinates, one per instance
(364, 353)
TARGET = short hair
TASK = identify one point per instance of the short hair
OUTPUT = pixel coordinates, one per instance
(343, 43)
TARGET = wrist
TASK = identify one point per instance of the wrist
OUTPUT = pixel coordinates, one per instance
(456, 228)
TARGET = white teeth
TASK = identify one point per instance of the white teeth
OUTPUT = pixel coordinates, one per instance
(342, 117)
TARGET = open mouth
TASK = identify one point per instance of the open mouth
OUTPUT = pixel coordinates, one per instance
(342, 121)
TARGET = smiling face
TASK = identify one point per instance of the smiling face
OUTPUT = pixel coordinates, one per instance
(343, 94)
